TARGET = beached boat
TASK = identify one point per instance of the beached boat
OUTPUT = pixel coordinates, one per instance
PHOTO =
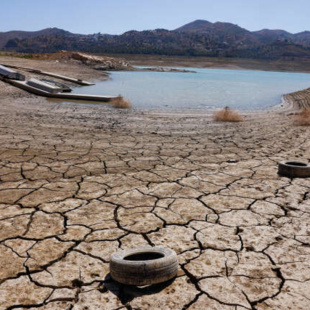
(32, 88)
(48, 88)
(64, 88)
(10, 74)
(58, 76)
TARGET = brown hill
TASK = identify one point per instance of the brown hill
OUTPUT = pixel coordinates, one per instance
(199, 26)
(199, 38)
(20, 35)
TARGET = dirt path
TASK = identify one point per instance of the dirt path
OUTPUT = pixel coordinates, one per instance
(78, 183)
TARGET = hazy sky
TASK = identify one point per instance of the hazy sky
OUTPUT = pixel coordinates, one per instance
(118, 16)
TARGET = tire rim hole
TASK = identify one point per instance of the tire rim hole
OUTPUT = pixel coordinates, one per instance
(296, 163)
(144, 256)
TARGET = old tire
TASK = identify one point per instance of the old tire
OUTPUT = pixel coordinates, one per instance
(294, 169)
(144, 265)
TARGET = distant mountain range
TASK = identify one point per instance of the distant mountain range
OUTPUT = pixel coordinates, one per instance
(198, 38)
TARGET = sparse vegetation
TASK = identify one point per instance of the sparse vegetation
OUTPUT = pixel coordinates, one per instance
(28, 56)
(227, 115)
(121, 103)
(199, 38)
(303, 118)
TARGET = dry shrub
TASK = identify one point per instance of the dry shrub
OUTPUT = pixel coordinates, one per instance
(227, 115)
(121, 103)
(303, 118)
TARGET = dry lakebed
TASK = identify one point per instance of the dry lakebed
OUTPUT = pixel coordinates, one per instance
(80, 182)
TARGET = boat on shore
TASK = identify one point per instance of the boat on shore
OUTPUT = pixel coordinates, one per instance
(48, 88)
(58, 76)
(64, 88)
(59, 95)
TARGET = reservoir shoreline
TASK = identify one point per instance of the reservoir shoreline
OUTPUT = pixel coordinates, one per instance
(295, 100)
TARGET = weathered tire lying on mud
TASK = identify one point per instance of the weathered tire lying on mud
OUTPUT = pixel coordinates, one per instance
(294, 169)
(144, 265)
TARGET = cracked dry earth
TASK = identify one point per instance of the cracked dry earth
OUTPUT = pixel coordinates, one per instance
(78, 183)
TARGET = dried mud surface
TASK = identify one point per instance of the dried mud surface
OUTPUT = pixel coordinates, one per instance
(78, 183)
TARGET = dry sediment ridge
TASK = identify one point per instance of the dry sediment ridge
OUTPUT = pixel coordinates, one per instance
(77, 183)
(298, 100)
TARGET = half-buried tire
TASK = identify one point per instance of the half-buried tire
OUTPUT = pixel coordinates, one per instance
(144, 265)
(294, 169)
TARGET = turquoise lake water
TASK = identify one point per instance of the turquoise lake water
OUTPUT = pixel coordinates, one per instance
(206, 89)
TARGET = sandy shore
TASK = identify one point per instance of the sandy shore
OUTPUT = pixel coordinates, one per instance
(78, 183)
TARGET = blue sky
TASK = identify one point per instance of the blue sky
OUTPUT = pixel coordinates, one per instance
(118, 16)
